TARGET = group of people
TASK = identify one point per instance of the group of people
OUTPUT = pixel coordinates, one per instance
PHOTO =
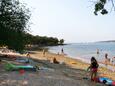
(108, 60)
(44, 52)
(94, 65)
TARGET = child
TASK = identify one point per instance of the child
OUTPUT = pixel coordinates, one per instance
(93, 68)
(28, 56)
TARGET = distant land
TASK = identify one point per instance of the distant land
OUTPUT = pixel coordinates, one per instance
(107, 41)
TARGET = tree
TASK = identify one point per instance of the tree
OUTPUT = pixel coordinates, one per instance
(100, 6)
(61, 41)
(40, 40)
(14, 17)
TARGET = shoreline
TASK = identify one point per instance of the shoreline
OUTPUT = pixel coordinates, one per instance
(110, 66)
(73, 63)
(70, 72)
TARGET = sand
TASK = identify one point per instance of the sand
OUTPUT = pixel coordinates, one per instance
(73, 63)
(69, 73)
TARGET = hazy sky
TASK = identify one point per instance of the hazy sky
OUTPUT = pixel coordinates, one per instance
(72, 20)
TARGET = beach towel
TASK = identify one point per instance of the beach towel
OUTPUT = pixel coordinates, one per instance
(12, 67)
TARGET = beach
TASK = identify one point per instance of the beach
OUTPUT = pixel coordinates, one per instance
(57, 43)
(73, 63)
(70, 72)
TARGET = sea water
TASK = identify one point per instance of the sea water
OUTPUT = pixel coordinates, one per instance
(85, 51)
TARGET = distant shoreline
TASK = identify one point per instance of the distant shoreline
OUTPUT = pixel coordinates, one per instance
(109, 41)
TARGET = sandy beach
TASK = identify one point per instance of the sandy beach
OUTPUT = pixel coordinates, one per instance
(69, 73)
(73, 63)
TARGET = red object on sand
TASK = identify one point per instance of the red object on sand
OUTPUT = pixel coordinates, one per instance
(113, 83)
(21, 72)
(96, 79)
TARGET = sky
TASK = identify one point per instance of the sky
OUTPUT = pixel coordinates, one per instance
(71, 20)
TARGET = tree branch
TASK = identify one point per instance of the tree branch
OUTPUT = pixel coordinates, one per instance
(113, 4)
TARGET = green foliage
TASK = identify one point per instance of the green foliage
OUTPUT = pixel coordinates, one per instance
(100, 7)
(103, 1)
(13, 20)
(104, 11)
(40, 40)
(14, 17)
(61, 41)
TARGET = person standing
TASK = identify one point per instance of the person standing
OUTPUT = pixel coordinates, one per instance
(113, 61)
(28, 56)
(93, 68)
(97, 51)
(44, 52)
(106, 59)
(62, 51)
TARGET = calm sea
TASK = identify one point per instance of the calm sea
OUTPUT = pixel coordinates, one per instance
(85, 51)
